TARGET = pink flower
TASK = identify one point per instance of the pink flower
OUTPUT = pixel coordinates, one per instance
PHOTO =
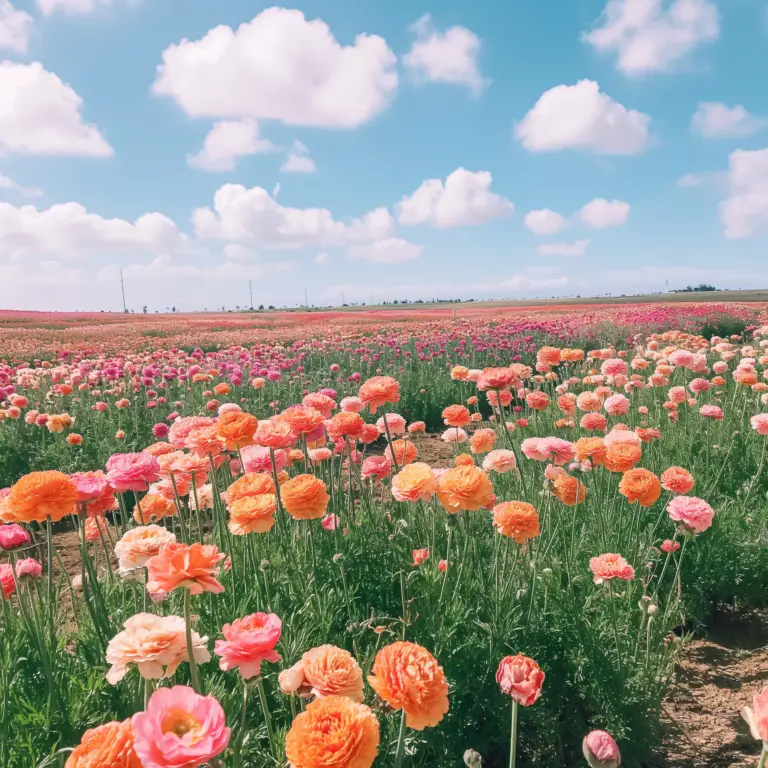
(558, 451)
(352, 404)
(693, 514)
(419, 556)
(616, 405)
(13, 536)
(614, 366)
(257, 458)
(249, 641)
(132, 471)
(179, 729)
(316, 455)
(7, 582)
(500, 460)
(757, 716)
(669, 546)
(90, 485)
(442, 566)
(394, 422)
(160, 430)
(28, 568)
(682, 358)
(535, 448)
(610, 566)
(454, 435)
(711, 411)
(521, 678)
(600, 750)
(759, 423)
(376, 467)
(699, 385)
(330, 522)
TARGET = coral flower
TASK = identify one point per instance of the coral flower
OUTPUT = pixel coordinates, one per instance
(414, 482)
(378, 391)
(593, 422)
(304, 497)
(500, 460)
(693, 514)
(482, 441)
(590, 449)
(569, 490)
(537, 400)
(333, 732)
(154, 506)
(139, 545)
(41, 495)
(408, 677)
(345, 424)
(237, 429)
(417, 427)
(193, 567)
(95, 527)
(456, 416)
(756, 716)
(516, 519)
(600, 750)
(250, 484)
(610, 566)
(179, 729)
(252, 514)
(405, 452)
(155, 644)
(621, 457)
(7, 581)
(496, 378)
(324, 671)
(275, 434)
(249, 641)
(132, 471)
(640, 485)
(710, 411)
(521, 678)
(303, 419)
(13, 536)
(589, 401)
(677, 480)
(107, 746)
(669, 546)
(419, 556)
(464, 488)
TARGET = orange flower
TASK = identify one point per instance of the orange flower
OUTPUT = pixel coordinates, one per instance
(482, 441)
(464, 488)
(333, 732)
(194, 567)
(621, 457)
(677, 480)
(407, 676)
(107, 746)
(537, 400)
(463, 460)
(640, 485)
(237, 428)
(154, 506)
(40, 495)
(456, 416)
(252, 514)
(74, 439)
(303, 419)
(250, 484)
(378, 391)
(516, 519)
(548, 355)
(304, 497)
(346, 424)
(405, 452)
(221, 389)
(569, 490)
(590, 449)
(571, 355)
(414, 482)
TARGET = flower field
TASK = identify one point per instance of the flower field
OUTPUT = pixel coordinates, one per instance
(235, 540)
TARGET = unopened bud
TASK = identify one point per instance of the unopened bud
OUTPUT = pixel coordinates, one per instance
(472, 759)
(600, 750)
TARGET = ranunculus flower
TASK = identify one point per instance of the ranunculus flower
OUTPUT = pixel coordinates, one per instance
(414, 482)
(677, 480)
(248, 642)
(193, 567)
(28, 568)
(641, 486)
(500, 460)
(600, 750)
(13, 536)
(324, 671)
(521, 678)
(179, 729)
(693, 514)
(41, 495)
(611, 566)
(132, 471)
(757, 716)
(304, 497)
(516, 519)
(139, 544)
(464, 488)
(107, 746)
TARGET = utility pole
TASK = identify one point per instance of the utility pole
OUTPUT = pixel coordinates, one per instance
(306, 300)
(122, 288)
(250, 291)
(342, 298)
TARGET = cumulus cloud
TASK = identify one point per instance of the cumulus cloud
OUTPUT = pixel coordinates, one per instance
(8, 183)
(569, 250)
(15, 27)
(280, 66)
(582, 117)
(46, 117)
(691, 180)
(651, 35)
(745, 212)
(254, 216)
(464, 199)
(68, 230)
(545, 221)
(392, 250)
(714, 120)
(298, 160)
(603, 214)
(444, 57)
(227, 141)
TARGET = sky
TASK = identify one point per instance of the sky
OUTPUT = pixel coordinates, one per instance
(371, 151)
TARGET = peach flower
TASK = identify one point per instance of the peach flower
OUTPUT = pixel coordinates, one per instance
(193, 567)
(569, 490)
(456, 416)
(500, 460)
(516, 519)
(324, 671)
(304, 497)
(107, 746)
(252, 514)
(482, 441)
(237, 429)
(756, 716)
(611, 566)
(414, 482)
(378, 391)
(138, 545)
(677, 480)
(464, 488)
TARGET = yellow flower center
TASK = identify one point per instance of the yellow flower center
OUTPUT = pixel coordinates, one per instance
(181, 723)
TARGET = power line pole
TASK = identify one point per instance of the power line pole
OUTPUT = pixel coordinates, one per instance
(122, 288)
(342, 298)
(250, 291)
(306, 300)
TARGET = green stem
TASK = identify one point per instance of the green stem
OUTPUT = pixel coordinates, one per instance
(192, 664)
(763, 757)
(237, 750)
(267, 717)
(513, 736)
(400, 753)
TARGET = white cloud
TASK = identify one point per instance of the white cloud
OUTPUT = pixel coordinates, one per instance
(227, 141)
(321, 258)
(445, 57)
(68, 230)
(581, 117)
(240, 254)
(465, 199)
(652, 35)
(745, 212)
(40, 115)
(72, 7)
(8, 183)
(714, 120)
(603, 214)
(545, 221)
(298, 160)
(252, 215)
(15, 27)
(577, 248)
(690, 180)
(392, 250)
(279, 66)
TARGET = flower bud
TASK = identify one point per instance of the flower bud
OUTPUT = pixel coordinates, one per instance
(472, 759)
(600, 750)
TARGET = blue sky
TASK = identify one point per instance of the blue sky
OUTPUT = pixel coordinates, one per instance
(476, 149)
